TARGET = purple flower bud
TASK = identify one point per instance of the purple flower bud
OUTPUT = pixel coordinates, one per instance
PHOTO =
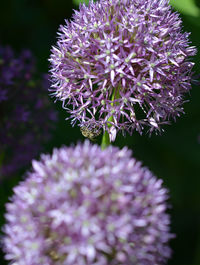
(26, 117)
(122, 64)
(82, 205)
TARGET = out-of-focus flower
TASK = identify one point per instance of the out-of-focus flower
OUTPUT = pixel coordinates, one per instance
(120, 65)
(26, 116)
(82, 205)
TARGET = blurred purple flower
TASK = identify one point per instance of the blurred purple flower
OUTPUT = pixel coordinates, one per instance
(82, 205)
(26, 117)
(120, 65)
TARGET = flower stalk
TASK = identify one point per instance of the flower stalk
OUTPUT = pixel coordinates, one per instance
(106, 139)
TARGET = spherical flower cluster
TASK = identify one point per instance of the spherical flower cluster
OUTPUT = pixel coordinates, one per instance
(121, 65)
(26, 117)
(82, 206)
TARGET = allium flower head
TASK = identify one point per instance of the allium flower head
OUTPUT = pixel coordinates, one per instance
(120, 65)
(26, 117)
(82, 206)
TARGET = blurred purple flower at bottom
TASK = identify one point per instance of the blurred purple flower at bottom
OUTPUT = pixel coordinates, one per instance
(82, 205)
(26, 115)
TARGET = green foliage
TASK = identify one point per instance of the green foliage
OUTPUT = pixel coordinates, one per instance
(77, 2)
(187, 7)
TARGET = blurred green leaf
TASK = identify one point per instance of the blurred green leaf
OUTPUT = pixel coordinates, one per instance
(187, 7)
(77, 2)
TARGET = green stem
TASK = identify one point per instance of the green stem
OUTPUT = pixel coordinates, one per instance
(105, 141)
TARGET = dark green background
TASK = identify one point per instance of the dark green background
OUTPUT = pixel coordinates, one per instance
(174, 156)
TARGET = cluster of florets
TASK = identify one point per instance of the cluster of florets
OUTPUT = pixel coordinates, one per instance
(120, 65)
(26, 116)
(82, 206)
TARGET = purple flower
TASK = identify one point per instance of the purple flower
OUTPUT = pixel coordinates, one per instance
(82, 205)
(26, 116)
(121, 65)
